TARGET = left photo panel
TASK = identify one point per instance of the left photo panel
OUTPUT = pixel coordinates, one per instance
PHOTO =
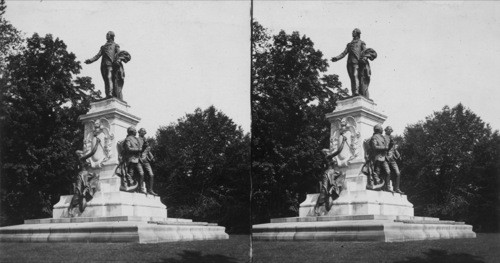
(123, 123)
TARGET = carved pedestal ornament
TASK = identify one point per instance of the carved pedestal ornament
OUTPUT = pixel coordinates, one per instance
(98, 135)
(347, 127)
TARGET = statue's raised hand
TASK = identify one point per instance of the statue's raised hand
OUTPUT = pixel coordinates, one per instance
(335, 59)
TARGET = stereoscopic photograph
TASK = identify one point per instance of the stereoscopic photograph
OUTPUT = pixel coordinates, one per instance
(249, 131)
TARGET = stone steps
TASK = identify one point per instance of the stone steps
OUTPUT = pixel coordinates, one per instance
(353, 217)
(360, 228)
(104, 219)
(113, 231)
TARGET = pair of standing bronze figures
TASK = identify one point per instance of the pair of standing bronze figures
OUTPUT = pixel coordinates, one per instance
(380, 155)
(135, 159)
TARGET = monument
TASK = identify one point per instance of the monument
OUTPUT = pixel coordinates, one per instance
(111, 202)
(358, 201)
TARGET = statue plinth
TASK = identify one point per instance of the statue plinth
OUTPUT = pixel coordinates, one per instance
(115, 117)
(363, 115)
(358, 214)
(111, 118)
(111, 215)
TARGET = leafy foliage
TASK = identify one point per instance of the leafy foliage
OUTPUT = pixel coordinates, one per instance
(10, 39)
(203, 169)
(451, 167)
(40, 129)
(290, 97)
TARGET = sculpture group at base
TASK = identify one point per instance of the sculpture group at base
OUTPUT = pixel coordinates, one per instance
(332, 182)
(342, 151)
(358, 65)
(135, 157)
(86, 184)
(112, 69)
(380, 162)
(380, 155)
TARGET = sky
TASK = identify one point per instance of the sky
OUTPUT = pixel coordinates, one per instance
(430, 54)
(185, 55)
(196, 54)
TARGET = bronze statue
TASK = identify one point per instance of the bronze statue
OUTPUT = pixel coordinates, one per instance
(146, 159)
(112, 70)
(86, 184)
(129, 169)
(379, 147)
(127, 183)
(333, 180)
(133, 149)
(358, 66)
(391, 157)
(373, 182)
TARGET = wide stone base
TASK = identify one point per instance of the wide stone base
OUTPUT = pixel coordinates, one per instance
(363, 202)
(106, 204)
(111, 229)
(382, 228)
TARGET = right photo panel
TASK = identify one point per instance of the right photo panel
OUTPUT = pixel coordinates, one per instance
(373, 123)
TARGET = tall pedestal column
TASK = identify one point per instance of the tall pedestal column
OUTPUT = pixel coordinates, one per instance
(362, 115)
(110, 119)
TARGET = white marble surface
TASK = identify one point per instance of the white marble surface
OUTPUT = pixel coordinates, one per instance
(383, 230)
(115, 204)
(111, 231)
(362, 202)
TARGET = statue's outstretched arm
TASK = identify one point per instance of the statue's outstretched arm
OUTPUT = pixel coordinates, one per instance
(341, 56)
(96, 57)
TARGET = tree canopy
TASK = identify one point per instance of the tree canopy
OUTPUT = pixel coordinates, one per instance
(10, 38)
(203, 169)
(41, 102)
(451, 167)
(290, 96)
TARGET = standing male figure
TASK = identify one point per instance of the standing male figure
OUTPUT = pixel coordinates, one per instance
(379, 146)
(133, 150)
(354, 49)
(146, 158)
(392, 156)
(108, 52)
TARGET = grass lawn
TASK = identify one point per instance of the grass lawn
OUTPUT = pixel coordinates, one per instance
(485, 248)
(235, 249)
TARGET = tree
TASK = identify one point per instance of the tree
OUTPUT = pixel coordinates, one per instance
(10, 39)
(290, 97)
(203, 169)
(40, 133)
(451, 167)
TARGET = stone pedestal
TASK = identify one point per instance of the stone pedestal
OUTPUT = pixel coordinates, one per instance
(356, 199)
(112, 215)
(359, 214)
(113, 118)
